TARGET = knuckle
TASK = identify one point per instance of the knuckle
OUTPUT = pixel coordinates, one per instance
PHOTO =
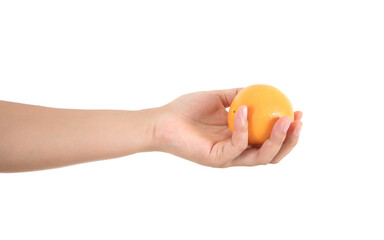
(278, 139)
(243, 128)
(281, 136)
(241, 146)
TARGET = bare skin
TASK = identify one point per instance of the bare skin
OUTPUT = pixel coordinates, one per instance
(193, 126)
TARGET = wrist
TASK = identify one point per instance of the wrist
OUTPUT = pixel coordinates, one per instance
(151, 119)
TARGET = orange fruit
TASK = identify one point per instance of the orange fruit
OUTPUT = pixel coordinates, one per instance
(266, 104)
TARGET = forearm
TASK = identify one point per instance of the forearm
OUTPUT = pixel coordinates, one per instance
(34, 137)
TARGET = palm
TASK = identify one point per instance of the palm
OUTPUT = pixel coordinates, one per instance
(198, 122)
(205, 117)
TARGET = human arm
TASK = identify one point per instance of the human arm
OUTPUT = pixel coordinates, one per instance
(194, 127)
(35, 137)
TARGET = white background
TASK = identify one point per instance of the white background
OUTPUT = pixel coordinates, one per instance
(326, 56)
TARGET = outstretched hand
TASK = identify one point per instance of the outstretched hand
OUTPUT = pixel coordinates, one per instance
(194, 127)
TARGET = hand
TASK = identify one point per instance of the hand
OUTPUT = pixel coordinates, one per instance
(194, 127)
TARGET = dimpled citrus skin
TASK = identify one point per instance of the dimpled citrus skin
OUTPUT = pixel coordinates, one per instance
(266, 104)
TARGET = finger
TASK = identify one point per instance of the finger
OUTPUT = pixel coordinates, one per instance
(227, 150)
(291, 139)
(269, 149)
(290, 142)
(298, 115)
(227, 95)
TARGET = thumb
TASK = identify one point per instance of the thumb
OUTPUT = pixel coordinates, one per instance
(239, 140)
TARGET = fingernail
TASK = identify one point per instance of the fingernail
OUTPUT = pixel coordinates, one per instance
(297, 132)
(244, 113)
(286, 126)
